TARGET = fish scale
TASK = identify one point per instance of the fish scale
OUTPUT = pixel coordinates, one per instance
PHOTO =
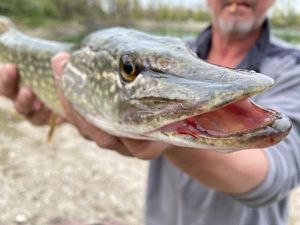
(33, 57)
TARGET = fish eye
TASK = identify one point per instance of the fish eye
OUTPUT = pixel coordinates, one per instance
(129, 70)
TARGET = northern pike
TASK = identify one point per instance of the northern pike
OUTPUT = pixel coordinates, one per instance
(136, 85)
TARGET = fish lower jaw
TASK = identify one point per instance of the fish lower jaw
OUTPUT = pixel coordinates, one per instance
(237, 126)
(261, 138)
(241, 125)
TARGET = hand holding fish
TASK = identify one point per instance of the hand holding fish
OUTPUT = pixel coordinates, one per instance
(25, 101)
(124, 146)
(28, 105)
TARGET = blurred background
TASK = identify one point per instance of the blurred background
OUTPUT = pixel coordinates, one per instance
(71, 179)
(180, 18)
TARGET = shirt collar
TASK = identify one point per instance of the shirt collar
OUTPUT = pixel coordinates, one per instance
(253, 58)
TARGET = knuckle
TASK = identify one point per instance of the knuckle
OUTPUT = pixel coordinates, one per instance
(144, 156)
(107, 143)
(25, 97)
(18, 107)
(23, 103)
(40, 118)
(103, 141)
(146, 153)
(8, 85)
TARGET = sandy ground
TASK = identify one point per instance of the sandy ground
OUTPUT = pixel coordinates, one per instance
(70, 179)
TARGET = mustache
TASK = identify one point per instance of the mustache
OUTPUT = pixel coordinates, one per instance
(251, 3)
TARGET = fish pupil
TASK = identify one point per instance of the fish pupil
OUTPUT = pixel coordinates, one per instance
(128, 68)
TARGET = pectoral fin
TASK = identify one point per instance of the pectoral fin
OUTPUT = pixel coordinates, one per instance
(53, 125)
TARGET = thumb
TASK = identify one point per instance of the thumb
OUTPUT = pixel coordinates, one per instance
(58, 63)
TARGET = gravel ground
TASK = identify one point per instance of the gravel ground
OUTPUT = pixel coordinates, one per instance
(70, 179)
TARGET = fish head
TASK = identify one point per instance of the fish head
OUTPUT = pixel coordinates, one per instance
(156, 87)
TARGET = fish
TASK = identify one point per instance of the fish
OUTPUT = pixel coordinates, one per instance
(136, 85)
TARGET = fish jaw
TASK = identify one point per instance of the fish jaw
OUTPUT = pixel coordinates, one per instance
(210, 109)
(238, 133)
(205, 110)
(156, 99)
(237, 126)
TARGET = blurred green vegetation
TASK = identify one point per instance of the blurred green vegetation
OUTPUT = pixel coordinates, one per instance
(92, 14)
(288, 17)
(37, 12)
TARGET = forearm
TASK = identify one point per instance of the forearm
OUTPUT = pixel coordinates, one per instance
(234, 173)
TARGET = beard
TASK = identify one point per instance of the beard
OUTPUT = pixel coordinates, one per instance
(239, 28)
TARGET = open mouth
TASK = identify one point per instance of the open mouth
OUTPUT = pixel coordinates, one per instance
(235, 120)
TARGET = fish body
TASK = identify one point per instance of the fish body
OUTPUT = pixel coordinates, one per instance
(33, 57)
(132, 84)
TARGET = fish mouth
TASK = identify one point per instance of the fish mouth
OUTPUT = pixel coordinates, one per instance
(238, 125)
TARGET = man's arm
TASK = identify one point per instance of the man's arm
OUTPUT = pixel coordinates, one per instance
(224, 172)
(256, 177)
(234, 173)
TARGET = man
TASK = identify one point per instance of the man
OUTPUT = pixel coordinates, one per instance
(199, 187)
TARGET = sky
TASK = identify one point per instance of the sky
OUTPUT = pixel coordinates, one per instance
(202, 3)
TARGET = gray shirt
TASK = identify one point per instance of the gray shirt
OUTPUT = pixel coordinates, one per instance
(174, 198)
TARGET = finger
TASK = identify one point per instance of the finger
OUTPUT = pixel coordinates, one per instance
(24, 102)
(41, 114)
(58, 63)
(37, 105)
(102, 139)
(115, 145)
(145, 150)
(87, 130)
(40, 117)
(9, 81)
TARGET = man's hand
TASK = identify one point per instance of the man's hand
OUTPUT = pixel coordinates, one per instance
(26, 103)
(128, 147)
(233, 173)
(86, 129)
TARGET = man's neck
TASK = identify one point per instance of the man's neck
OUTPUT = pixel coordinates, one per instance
(230, 50)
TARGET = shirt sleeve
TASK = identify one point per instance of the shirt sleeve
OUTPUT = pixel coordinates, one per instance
(284, 158)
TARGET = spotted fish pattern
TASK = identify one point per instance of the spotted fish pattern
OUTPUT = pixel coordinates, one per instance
(132, 84)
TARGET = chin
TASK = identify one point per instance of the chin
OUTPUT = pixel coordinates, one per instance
(236, 27)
